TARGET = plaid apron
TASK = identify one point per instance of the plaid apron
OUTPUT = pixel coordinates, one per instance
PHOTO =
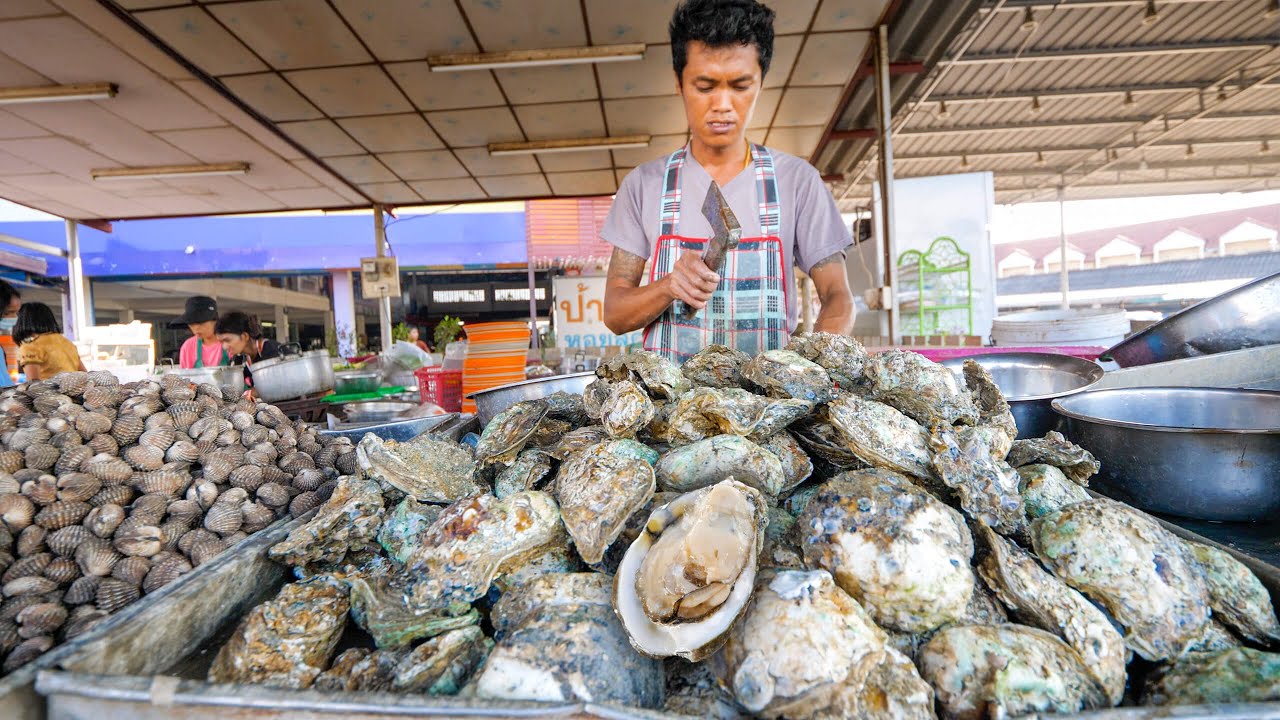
(749, 308)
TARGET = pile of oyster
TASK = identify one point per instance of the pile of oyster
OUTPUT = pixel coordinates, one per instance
(109, 492)
(813, 532)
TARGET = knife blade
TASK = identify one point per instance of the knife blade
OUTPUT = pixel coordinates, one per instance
(725, 233)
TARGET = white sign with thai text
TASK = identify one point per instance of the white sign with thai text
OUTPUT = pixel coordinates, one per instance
(579, 306)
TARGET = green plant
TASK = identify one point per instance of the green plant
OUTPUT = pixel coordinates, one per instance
(400, 333)
(446, 332)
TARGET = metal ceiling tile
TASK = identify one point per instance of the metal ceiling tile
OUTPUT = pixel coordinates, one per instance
(270, 95)
(94, 128)
(793, 16)
(469, 128)
(424, 165)
(644, 78)
(849, 14)
(308, 197)
(27, 8)
(479, 162)
(360, 169)
(807, 106)
(612, 22)
(526, 24)
(291, 34)
(785, 50)
(392, 133)
(58, 155)
(561, 120)
(15, 74)
(573, 161)
(653, 116)
(445, 90)
(350, 91)
(830, 58)
(766, 105)
(12, 126)
(395, 193)
(555, 83)
(592, 182)
(202, 40)
(211, 145)
(144, 4)
(442, 190)
(11, 165)
(799, 141)
(408, 29)
(659, 146)
(322, 138)
(515, 185)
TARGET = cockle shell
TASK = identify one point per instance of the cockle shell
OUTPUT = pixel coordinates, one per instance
(89, 424)
(202, 551)
(139, 541)
(183, 451)
(104, 444)
(185, 510)
(28, 585)
(223, 518)
(164, 572)
(110, 470)
(144, 457)
(83, 591)
(60, 514)
(16, 510)
(11, 461)
(62, 570)
(247, 477)
(304, 503)
(42, 490)
(27, 651)
(65, 541)
(113, 495)
(273, 495)
(114, 594)
(40, 456)
(97, 558)
(148, 509)
(31, 566)
(48, 403)
(255, 517)
(128, 428)
(132, 570)
(31, 540)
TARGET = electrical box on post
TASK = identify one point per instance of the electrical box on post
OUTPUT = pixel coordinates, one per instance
(379, 277)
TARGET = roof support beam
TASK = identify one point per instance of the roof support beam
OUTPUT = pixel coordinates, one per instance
(1123, 51)
(1033, 149)
(1017, 5)
(1067, 123)
(1102, 91)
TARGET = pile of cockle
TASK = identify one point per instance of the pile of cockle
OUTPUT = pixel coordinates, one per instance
(109, 492)
(813, 532)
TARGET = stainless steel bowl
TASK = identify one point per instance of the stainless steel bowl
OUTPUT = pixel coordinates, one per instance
(376, 411)
(1246, 317)
(494, 400)
(231, 376)
(354, 382)
(1205, 453)
(1031, 382)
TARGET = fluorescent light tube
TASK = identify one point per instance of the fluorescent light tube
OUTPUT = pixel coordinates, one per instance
(165, 172)
(539, 147)
(57, 93)
(536, 58)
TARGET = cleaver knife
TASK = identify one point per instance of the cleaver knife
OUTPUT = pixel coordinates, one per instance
(725, 233)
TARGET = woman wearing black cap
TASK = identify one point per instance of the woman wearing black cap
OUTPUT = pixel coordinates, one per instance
(202, 349)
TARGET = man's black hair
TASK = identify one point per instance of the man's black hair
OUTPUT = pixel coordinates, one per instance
(7, 294)
(34, 318)
(718, 24)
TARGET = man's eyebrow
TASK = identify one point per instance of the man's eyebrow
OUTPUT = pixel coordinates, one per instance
(740, 78)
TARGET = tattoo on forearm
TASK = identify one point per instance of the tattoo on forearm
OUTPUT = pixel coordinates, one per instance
(834, 258)
(625, 266)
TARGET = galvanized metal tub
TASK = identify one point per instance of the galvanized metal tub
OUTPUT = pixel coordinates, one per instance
(1032, 381)
(492, 401)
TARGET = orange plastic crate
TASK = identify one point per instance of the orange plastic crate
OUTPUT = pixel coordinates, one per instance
(440, 386)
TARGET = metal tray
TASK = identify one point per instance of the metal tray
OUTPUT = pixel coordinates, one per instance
(398, 430)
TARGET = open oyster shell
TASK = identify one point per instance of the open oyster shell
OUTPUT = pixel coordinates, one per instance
(784, 374)
(689, 575)
(1142, 574)
(599, 488)
(380, 610)
(709, 461)
(426, 468)
(920, 388)
(1236, 595)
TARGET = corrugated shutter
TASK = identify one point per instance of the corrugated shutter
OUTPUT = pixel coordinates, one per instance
(566, 233)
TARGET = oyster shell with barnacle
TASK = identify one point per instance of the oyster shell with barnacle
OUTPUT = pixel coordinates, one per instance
(348, 520)
(1039, 599)
(689, 575)
(824, 443)
(401, 526)
(707, 462)
(1235, 675)
(378, 607)
(893, 690)
(802, 641)
(715, 366)
(896, 549)
(1237, 597)
(530, 470)
(441, 665)
(558, 640)
(576, 440)
(784, 374)
(996, 671)
(658, 375)
(1045, 489)
(508, 433)
(1053, 449)
(627, 410)
(456, 559)
(993, 409)
(841, 356)
(796, 465)
(427, 468)
(920, 388)
(987, 488)
(879, 435)
(1142, 574)
(707, 412)
(599, 488)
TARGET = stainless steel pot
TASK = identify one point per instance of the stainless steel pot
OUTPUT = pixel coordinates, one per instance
(231, 376)
(1031, 382)
(355, 382)
(1205, 453)
(494, 400)
(292, 376)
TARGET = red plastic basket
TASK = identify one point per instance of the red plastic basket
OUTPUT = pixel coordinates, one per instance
(440, 386)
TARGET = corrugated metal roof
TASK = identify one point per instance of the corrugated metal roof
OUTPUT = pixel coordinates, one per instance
(1242, 267)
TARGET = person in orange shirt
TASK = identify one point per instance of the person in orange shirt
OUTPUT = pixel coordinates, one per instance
(42, 350)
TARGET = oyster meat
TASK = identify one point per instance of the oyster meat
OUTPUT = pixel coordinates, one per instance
(784, 374)
(920, 388)
(892, 546)
(627, 410)
(426, 468)
(987, 488)
(707, 412)
(562, 642)
(598, 489)
(1053, 449)
(1045, 489)
(456, 559)
(508, 433)
(715, 366)
(1237, 675)
(1143, 575)
(1042, 600)
(707, 462)
(659, 376)
(802, 641)
(880, 435)
(1236, 595)
(689, 575)
(286, 642)
(993, 409)
(841, 356)
(348, 520)
(994, 671)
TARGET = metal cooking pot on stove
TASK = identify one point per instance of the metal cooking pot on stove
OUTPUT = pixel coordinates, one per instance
(294, 374)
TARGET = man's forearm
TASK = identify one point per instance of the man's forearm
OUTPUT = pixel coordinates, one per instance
(832, 283)
(836, 316)
(627, 309)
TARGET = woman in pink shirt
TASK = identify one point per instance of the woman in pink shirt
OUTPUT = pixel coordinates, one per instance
(202, 349)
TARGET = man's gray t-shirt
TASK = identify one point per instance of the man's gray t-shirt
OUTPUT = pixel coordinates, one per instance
(811, 228)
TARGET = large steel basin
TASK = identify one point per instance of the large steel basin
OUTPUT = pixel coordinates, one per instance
(1031, 382)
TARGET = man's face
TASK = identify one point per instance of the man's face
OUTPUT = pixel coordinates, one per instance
(720, 87)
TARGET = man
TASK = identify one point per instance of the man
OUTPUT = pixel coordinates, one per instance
(721, 51)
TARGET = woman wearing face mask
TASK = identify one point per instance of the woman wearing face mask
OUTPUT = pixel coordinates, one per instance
(42, 350)
(10, 299)
(202, 349)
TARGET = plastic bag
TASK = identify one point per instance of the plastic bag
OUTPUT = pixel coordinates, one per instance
(407, 356)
